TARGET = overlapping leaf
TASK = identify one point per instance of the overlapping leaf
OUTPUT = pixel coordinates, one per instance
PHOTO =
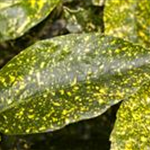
(128, 19)
(18, 16)
(67, 79)
(132, 127)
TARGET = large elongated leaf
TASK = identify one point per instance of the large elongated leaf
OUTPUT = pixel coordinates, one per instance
(132, 128)
(128, 19)
(67, 79)
(18, 16)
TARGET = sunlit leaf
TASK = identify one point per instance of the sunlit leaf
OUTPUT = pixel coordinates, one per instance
(128, 19)
(18, 16)
(132, 128)
(66, 79)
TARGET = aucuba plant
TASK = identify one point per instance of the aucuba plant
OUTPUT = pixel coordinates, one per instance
(73, 77)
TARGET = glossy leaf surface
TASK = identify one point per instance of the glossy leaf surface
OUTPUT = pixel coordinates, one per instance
(132, 128)
(128, 19)
(66, 79)
(18, 16)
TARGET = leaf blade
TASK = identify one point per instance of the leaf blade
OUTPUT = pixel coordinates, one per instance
(17, 17)
(132, 127)
(66, 79)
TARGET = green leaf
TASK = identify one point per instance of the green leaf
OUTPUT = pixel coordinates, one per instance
(68, 78)
(18, 16)
(128, 19)
(132, 128)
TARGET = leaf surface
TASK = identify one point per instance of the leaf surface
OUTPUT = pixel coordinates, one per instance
(132, 128)
(68, 78)
(128, 19)
(18, 16)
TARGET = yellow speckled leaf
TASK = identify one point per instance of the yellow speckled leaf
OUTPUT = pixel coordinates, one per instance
(132, 128)
(18, 16)
(128, 19)
(68, 78)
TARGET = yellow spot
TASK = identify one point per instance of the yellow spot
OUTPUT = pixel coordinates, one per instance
(96, 94)
(5, 117)
(40, 4)
(75, 88)
(97, 88)
(87, 50)
(42, 65)
(32, 3)
(79, 58)
(77, 98)
(42, 128)
(88, 82)
(31, 110)
(12, 78)
(56, 104)
(102, 91)
(109, 52)
(117, 51)
(143, 139)
(64, 112)
(27, 130)
(87, 38)
(67, 121)
(38, 76)
(9, 101)
(69, 94)
(54, 119)
(74, 82)
(22, 86)
(3, 80)
(88, 87)
(119, 94)
(129, 54)
(6, 130)
(89, 72)
(141, 34)
(31, 116)
(45, 95)
(148, 99)
(20, 114)
(62, 92)
(53, 93)
(20, 127)
(103, 52)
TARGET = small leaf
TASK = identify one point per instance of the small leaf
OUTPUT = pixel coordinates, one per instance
(132, 128)
(86, 18)
(68, 78)
(128, 19)
(18, 16)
